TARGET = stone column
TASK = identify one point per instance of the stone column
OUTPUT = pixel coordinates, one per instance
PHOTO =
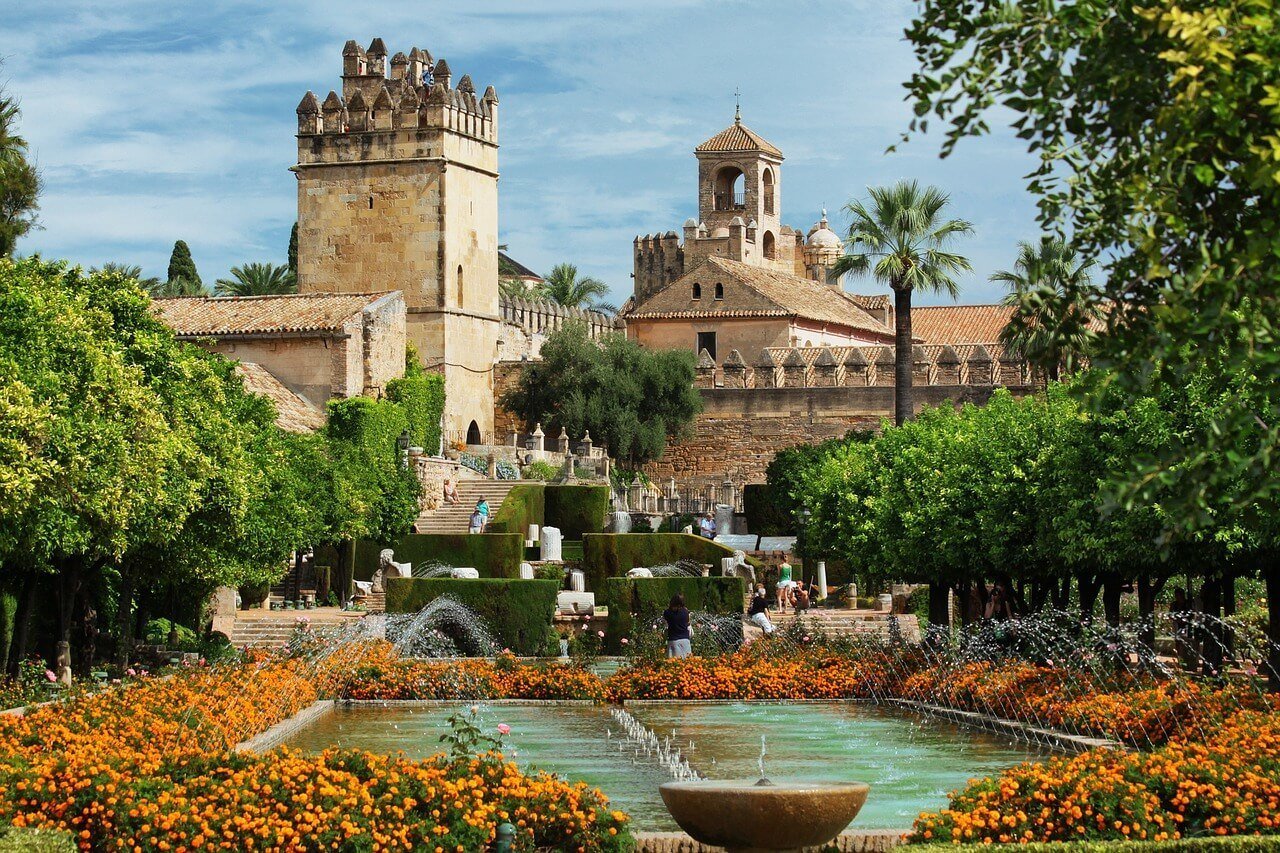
(551, 542)
(586, 445)
(919, 366)
(724, 519)
(705, 376)
(822, 579)
(493, 467)
(766, 371)
(883, 361)
(794, 370)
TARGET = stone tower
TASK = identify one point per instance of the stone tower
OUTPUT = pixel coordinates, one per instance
(739, 214)
(398, 190)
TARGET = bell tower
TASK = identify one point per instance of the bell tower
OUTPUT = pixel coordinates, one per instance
(739, 178)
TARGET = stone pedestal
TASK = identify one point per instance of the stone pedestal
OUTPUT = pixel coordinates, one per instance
(577, 582)
(822, 579)
(724, 519)
(551, 540)
(224, 609)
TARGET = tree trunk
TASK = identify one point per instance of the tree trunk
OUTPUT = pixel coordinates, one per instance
(1090, 586)
(1111, 598)
(939, 611)
(70, 575)
(903, 409)
(1229, 610)
(1148, 589)
(1062, 595)
(1271, 575)
(22, 622)
(124, 619)
(1211, 596)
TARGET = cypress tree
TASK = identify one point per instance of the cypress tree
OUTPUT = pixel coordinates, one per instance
(293, 250)
(181, 266)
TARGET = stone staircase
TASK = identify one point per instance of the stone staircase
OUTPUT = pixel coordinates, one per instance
(273, 628)
(456, 518)
(850, 623)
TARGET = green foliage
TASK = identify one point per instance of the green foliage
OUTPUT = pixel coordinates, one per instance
(15, 839)
(901, 240)
(608, 555)
(539, 470)
(564, 286)
(765, 515)
(182, 267)
(576, 510)
(1157, 127)
(157, 631)
(374, 496)
(257, 279)
(465, 738)
(642, 599)
(19, 181)
(518, 612)
(523, 505)
(494, 555)
(292, 261)
(629, 398)
(785, 475)
(421, 397)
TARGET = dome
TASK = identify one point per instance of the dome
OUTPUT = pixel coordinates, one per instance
(822, 237)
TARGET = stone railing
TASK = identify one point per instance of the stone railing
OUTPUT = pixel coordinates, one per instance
(542, 316)
(868, 365)
(670, 497)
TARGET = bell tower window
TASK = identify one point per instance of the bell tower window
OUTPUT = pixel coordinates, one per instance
(768, 192)
(730, 189)
(768, 245)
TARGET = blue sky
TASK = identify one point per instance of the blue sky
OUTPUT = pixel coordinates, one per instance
(154, 121)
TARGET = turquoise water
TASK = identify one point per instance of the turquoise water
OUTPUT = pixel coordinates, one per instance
(911, 762)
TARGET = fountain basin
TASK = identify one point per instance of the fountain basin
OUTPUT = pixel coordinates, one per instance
(744, 815)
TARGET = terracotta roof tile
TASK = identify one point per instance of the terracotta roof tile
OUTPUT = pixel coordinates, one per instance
(213, 316)
(292, 412)
(872, 301)
(776, 294)
(959, 324)
(738, 137)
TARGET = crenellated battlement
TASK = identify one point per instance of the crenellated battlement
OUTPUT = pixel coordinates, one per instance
(415, 93)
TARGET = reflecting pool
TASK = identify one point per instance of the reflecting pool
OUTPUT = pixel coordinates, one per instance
(911, 762)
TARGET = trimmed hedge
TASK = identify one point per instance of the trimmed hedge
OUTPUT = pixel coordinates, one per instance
(494, 555)
(1227, 844)
(608, 555)
(576, 510)
(764, 516)
(420, 396)
(518, 612)
(628, 598)
(525, 504)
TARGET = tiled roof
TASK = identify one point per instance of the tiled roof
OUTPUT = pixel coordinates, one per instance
(872, 301)
(738, 137)
(509, 266)
(772, 294)
(292, 412)
(212, 316)
(959, 324)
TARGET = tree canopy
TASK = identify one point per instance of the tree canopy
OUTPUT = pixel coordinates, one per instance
(629, 398)
(19, 180)
(182, 267)
(257, 279)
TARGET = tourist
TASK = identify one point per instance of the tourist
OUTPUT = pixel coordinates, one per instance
(785, 585)
(707, 526)
(800, 598)
(758, 611)
(450, 492)
(477, 521)
(679, 637)
(999, 609)
(482, 507)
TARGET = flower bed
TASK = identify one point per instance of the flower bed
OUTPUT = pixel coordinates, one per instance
(151, 766)
(383, 677)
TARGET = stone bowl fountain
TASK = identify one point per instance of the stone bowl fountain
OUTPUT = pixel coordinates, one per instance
(745, 816)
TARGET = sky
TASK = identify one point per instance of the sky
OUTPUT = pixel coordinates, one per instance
(158, 121)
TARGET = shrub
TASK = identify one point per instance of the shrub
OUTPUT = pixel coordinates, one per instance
(607, 555)
(540, 470)
(577, 510)
(641, 599)
(765, 516)
(523, 505)
(518, 612)
(494, 555)
(157, 632)
(421, 398)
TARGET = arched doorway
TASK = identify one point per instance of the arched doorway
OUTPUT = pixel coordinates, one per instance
(473, 433)
(729, 189)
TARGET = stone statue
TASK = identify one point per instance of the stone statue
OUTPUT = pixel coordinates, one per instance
(738, 567)
(639, 572)
(464, 573)
(389, 568)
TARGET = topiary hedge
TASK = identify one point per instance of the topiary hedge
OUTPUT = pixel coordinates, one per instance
(576, 510)
(629, 598)
(608, 555)
(525, 504)
(1228, 844)
(494, 555)
(518, 612)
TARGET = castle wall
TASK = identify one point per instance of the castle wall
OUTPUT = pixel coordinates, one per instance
(310, 367)
(748, 337)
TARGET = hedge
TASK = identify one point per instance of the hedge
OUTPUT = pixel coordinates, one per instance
(524, 505)
(764, 516)
(494, 555)
(631, 597)
(420, 396)
(1226, 844)
(608, 555)
(576, 510)
(518, 612)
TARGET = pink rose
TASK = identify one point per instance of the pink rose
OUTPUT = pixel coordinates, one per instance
(599, 633)
(504, 729)
(624, 641)
(130, 671)
(49, 674)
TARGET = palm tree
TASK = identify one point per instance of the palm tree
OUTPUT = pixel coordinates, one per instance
(900, 241)
(514, 288)
(178, 287)
(132, 271)
(565, 287)
(1055, 306)
(257, 279)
